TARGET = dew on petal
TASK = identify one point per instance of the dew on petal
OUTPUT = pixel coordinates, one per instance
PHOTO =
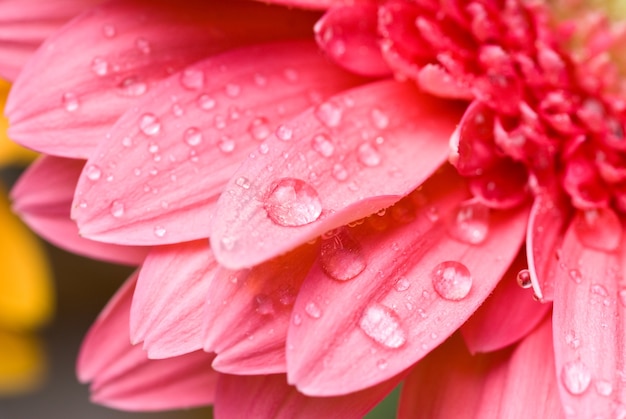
(339, 172)
(264, 304)
(599, 229)
(159, 231)
(323, 145)
(383, 326)
(284, 132)
(117, 209)
(259, 128)
(293, 202)
(469, 223)
(575, 275)
(341, 256)
(206, 102)
(297, 319)
(402, 284)
(149, 124)
(232, 90)
(192, 79)
(226, 144)
(100, 66)
(70, 102)
(524, 279)
(622, 296)
(313, 310)
(368, 155)
(93, 172)
(132, 86)
(572, 340)
(451, 280)
(329, 114)
(576, 377)
(243, 182)
(379, 118)
(193, 136)
(604, 388)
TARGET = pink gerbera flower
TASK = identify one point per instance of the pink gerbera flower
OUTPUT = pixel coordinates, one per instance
(344, 250)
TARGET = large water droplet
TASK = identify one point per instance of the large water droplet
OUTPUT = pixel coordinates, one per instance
(368, 155)
(524, 279)
(576, 377)
(323, 145)
(192, 136)
(383, 326)
(469, 223)
(599, 229)
(341, 257)
(329, 114)
(149, 124)
(192, 79)
(93, 172)
(293, 202)
(70, 102)
(451, 280)
(132, 86)
(117, 209)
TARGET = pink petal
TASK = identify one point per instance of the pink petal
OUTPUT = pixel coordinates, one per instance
(347, 158)
(124, 378)
(589, 330)
(271, 397)
(348, 334)
(508, 315)
(88, 74)
(27, 23)
(548, 220)
(248, 313)
(167, 310)
(349, 36)
(435, 80)
(156, 187)
(450, 383)
(43, 197)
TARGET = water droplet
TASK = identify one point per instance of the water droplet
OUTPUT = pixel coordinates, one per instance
(192, 136)
(599, 229)
(297, 319)
(127, 141)
(341, 257)
(284, 133)
(576, 377)
(153, 148)
(572, 340)
(226, 144)
(622, 296)
(382, 364)
(402, 284)
(149, 124)
(291, 75)
(177, 110)
(604, 388)
(206, 102)
(117, 209)
(599, 289)
(575, 276)
(451, 280)
(383, 326)
(70, 102)
(470, 223)
(313, 310)
(109, 31)
(264, 304)
(232, 90)
(243, 182)
(159, 231)
(379, 118)
(339, 172)
(93, 172)
(260, 80)
(132, 86)
(323, 145)
(192, 79)
(100, 66)
(143, 46)
(293, 202)
(259, 128)
(523, 279)
(329, 114)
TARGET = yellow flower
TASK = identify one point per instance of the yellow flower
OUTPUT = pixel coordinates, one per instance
(26, 296)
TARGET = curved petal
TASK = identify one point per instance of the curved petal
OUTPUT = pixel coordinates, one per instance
(347, 158)
(349, 36)
(508, 315)
(248, 312)
(167, 309)
(417, 285)
(85, 76)
(43, 196)
(123, 377)
(589, 332)
(27, 23)
(271, 397)
(225, 107)
(450, 383)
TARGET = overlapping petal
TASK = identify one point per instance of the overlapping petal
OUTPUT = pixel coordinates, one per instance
(345, 159)
(64, 102)
(43, 197)
(157, 177)
(418, 285)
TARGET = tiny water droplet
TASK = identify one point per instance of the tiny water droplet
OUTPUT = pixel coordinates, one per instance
(341, 256)
(232, 90)
(604, 387)
(93, 172)
(117, 209)
(313, 310)
(379, 118)
(451, 280)
(132, 86)
(383, 326)
(127, 141)
(284, 132)
(323, 145)
(149, 124)
(382, 364)
(192, 79)
(523, 279)
(339, 172)
(260, 80)
(297, 319)
(329, 114)
(206, 102)
(243, 182)
(575, 275)
(193, 136)
(293, 202)
(70, 102)
(576, 377)
(572, 340)
(159, 231)
(153, 148)
(177, 110)
(143, 46)
(100, 66)
(470, 223)
(226, 144)
(264, 304)
(402, 284)
(259, 128)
